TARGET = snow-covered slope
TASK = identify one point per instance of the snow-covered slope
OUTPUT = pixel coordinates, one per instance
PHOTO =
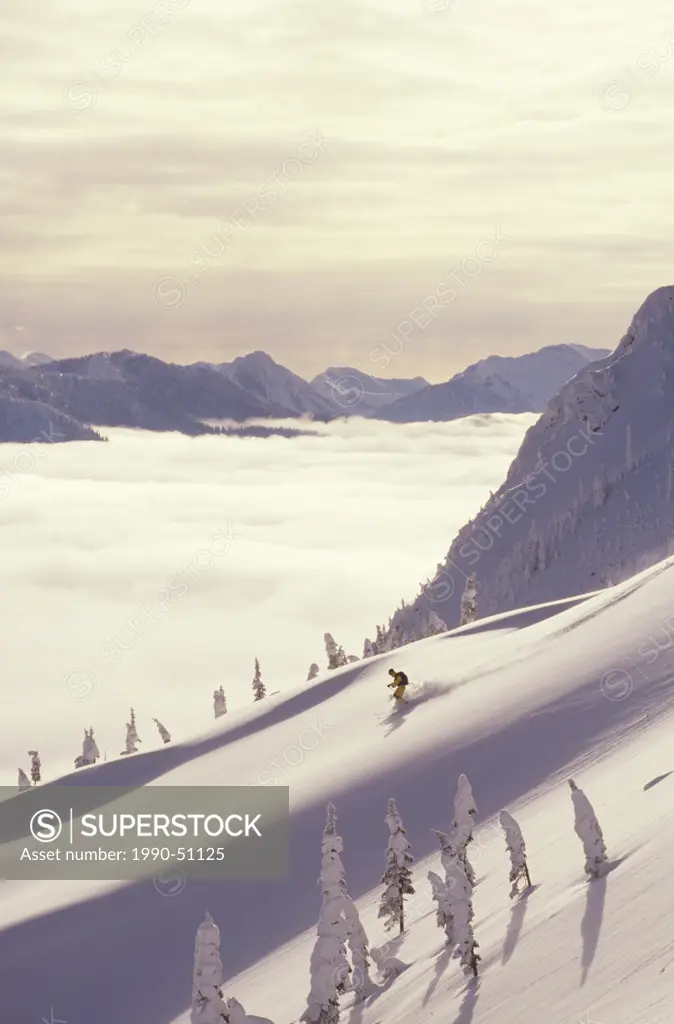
(519, 703)
(497, 384)
(259, 374)
(588, 498)
(355, 392)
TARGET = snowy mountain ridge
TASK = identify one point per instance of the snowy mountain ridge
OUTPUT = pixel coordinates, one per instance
(512, 384)
(259, 374)
(587, 500)
(129, 389)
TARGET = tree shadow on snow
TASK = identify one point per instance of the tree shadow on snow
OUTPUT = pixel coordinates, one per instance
(656, 780)
(357, 1011)
(467, 1008)
(440, 966)
(590, 926)
(517, 914)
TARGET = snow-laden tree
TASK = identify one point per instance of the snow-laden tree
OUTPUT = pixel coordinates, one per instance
(329, 967)
(369, 649)
(469, 601)
(388, 966)
(433, 625)
(313, 671)
(397, 878)
(24, 781)
(396, 638)
(443, 910)
(447, 850)
(90, 753)
(90, 749)
(131, 731)
(259, 689)
(336, 655)
(208, 1006)
(219, 702)
(358, 944)
(519, 870)
(460, 895)
(132, 737)
(35, 767)
(235, 1011)
(163, 731)
(590, 834)
(461, 832)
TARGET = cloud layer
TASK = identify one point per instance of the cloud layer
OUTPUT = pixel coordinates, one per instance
(151, 570)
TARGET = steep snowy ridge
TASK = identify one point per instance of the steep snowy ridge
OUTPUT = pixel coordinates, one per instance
(520, 704)
(588, 499)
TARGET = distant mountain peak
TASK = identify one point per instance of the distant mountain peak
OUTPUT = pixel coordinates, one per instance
(512, 384)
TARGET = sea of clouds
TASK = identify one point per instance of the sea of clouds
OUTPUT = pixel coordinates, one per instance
(152, 569)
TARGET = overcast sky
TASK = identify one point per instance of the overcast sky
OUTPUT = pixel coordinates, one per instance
(202, 178)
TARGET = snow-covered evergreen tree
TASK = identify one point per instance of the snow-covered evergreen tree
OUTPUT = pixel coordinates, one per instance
(90, 749)
(519, 870)
(219, 702)
(132, 732)
(388, 966)
(235, 1011)
(24, 781)
(590, 834)
(469, 601)
(461, 832)
(90, 753)
(313, 671)
(35, 767)
(397, 878)
(208, 1006)
(443, 911)
(358, 944)
(336, 655)
(369, 649)
(259, 689)
(396, 638)
(433, 625)
(460, 895)
(163, 731)
(329, 967)
(132, 737)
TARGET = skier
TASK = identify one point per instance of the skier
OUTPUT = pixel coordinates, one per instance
(400, 681)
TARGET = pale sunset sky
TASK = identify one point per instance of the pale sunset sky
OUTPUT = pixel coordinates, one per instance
(197, 179)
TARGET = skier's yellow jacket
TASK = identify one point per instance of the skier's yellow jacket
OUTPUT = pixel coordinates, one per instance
(399, 681)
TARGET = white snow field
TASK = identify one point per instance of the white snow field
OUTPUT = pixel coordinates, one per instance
(520, 704)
